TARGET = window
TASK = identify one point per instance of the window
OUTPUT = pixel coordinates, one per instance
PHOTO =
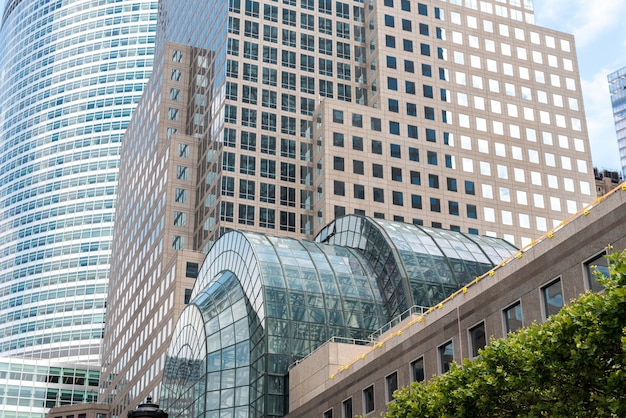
(368, 399)
(513, 317)
(267, 193)
(394, 150)
(414, 154)
(181, 172)
(415, 178)
(391, 385)
(446, 356)
(453, 208)
(597, 263)
(180, 196)
(287, 196)
(379, 195)
(377, 170)
(471, 211)
(478, 338)
(357, 143)
(288, 172)
(417, 370)
(433, 181)
(552, 298)
(267, 218)
(470, 187)
(416, 201)
(247, 165)
(180, 218)
(398, 198)
(435, 204)
(246, 214)
(451, 184)
(268, 144)
(346, 409)
(228, 186)
(359, 191)
(431, 156)
(246, 189)
(287, 221)
(357, 167)
(328, 414)
(377, 147)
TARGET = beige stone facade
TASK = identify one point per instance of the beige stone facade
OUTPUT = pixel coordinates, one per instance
(462, 117)
(153, 271)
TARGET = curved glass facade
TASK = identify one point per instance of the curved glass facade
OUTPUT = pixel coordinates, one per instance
(416, 266)
(261, 303)
(72, 74)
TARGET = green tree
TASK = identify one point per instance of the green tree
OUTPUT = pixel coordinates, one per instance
(570, 366)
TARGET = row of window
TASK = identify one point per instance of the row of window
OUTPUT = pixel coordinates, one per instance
(308, 84)
(551, 301)
(266, 218)
(270, 12)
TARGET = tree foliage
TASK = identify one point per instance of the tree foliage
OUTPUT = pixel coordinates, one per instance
(570, 366)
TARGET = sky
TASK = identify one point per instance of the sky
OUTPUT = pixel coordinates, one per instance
(599, 27)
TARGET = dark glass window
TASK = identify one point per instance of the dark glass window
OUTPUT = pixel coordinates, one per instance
(416, 201)
(446, 356)
(377, 170)
(478, 338)
(417, 370)
(379, 195)
(451, 184)
(368, 399)
(552, 298)
(377, 147)
(513, 317)
(391, 385)
(470, 187)
(599, 263)
(471, 211)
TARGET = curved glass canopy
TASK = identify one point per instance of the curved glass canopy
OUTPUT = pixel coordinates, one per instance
(416, 266)
(260, 303)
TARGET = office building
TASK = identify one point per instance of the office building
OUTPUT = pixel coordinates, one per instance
(617, 87)
(152, 269)
(280, 117)
(464, 117)
(73, 73)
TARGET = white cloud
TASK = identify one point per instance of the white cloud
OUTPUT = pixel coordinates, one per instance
(586, 20)
(602, 137)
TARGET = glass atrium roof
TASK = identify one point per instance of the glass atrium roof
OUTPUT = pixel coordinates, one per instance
(260, 303)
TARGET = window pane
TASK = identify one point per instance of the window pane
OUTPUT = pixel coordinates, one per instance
(446, 356)
(478, 338)
(552, 298)
(513, 317)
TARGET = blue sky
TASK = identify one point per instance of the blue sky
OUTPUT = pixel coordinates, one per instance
(600, 30)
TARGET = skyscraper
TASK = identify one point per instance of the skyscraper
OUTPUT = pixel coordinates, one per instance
(278, 117)
(72, 74)
(617, 87)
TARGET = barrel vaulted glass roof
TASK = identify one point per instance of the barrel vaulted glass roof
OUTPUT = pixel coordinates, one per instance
(261, 302)
(416, 265)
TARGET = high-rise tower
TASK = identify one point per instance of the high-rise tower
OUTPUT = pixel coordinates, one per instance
(617, 87)
(72, 72)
